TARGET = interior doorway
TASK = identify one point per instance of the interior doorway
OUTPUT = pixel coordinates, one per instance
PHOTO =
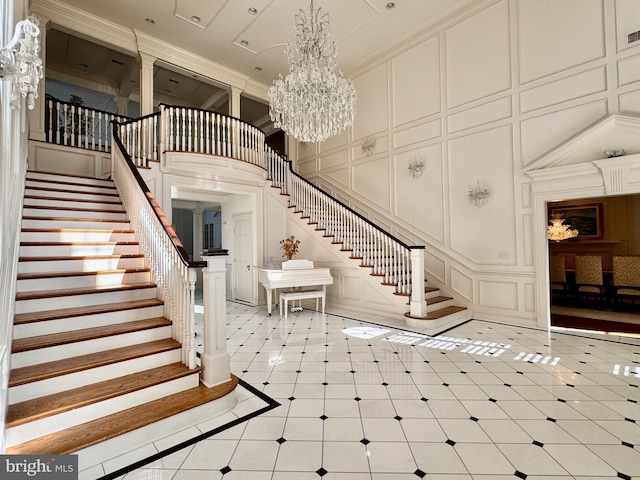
(243, 254)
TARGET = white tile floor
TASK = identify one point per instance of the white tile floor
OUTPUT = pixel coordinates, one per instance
(359, 400)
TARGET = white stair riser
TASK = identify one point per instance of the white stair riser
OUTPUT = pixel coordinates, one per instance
(99, 298)
(70, 195)
(60, 352)
(45, 426)
(67, 324)
(50, 386)
(58, 224)
(74, 188)
(77, 236)
(80, 265)
(439, 305)
(54, 178)
(82, 281)
(63, 203)
(433, 326)
(57, 213)
(77, 250)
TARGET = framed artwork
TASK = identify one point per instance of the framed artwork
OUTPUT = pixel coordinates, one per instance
(587, 219)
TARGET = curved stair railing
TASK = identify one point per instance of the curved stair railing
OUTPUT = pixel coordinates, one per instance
(199, 131)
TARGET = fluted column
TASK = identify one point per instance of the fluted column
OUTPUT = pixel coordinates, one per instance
(36, 116)
(146, 83)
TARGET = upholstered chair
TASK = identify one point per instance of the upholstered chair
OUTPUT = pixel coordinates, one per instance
(589, 279)
(558, 277)
(626, 278)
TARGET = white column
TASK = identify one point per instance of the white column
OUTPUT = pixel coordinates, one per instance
(216, 367)
(36, 116)
(234, 101)
(418, 305)
(197, 230)
(146, 83)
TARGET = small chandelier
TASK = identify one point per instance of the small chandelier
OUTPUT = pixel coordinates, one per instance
(313, 102)
(558, 231)
(20, 63)
(416, 166)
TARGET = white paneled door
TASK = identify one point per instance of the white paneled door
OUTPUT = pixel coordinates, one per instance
(242, 260)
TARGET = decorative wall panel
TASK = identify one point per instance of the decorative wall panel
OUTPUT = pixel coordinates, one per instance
(630, 102)
(462, 284)
(333, 160)
(435, 267)
(350, 287)
(502, 295)
(576, 86)
(416, 82)
(542, 134)
(426, 191)
(629, 69)
(338, 140)
(550, 43)
(483, 114)
(372, 106)
(627, 15)
(371, 180)
(478, 57)
(307, 168)
(340, 176)
(419, 133)
(483, 234)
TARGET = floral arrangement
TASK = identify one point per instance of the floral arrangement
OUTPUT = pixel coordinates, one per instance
(289, 247)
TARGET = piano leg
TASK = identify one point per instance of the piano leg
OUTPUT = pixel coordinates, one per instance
(269, 300)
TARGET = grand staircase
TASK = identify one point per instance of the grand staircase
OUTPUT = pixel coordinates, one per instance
(92, 355)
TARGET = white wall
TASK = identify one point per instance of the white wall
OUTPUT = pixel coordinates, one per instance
(479, 99)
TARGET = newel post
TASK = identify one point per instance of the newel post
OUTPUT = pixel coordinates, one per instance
(418, 302)
(216, 367)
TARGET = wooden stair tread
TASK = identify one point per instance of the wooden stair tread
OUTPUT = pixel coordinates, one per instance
(22, 318)
(79, 200)
(32, 276)
(78, 257)
(73, 209)
(81, 244)
(75, 184)
(49, 405)
(72, 175)
(430, 289)
(73, 230)
(82, 291)
(71, 219)
(438, 299)
(91, 433)
(42, 371)
(65, 338)
(436, 314)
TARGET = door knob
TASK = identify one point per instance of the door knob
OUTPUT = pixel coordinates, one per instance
(248, 267)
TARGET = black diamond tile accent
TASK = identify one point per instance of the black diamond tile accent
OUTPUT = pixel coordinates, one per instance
(507, 384)
(631, 400)
(281, 440)
(326, 361)
(292, 398)
(298, 371)
(225, 470)
(583, 362)
(357, 399)
(463, 372)
(569, 385)
(398, 417)
(424, 399)
(493, 400)
(325, 383)
(245, 371)
(520, 373)
(396, 353)
(520, 475)
(376, 361)
(551, 419)
(630, 420)
(538, 444)
(384, 384)
(426, 361)
(303, 352)
(445, 384)
(352, 371)
(364, 441)
(322, 472)
(443, 353)
(257, 353)
(419, 473)
(623, 476)
(450, 442)
(627, 444)
(478, 361)
(407, 371)
(349, 353)
(632, 385)
(561, 400)
(323, 417)
(265, 383)
(474, 419)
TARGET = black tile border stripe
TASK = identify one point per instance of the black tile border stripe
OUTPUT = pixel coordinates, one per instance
(271, 404)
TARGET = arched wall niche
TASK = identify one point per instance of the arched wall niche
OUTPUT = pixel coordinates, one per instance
(580, 169)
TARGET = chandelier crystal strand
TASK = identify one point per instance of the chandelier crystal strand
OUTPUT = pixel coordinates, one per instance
(312, 102)
(20, 63)
(557, 231)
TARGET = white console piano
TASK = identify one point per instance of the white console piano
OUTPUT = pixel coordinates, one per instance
(294, 273)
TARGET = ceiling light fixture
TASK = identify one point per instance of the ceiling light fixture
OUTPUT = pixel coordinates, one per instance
(150, 21)
(313, 102)
(557, 231)
(253, 11)
(244, 43)
(258, 69)
(20, 63)
(391, 6)
(196, 18)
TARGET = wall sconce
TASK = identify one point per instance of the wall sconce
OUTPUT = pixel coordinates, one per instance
(20, 63)
(368, 146)
(614, 153)
(416, 166)
(479, 195)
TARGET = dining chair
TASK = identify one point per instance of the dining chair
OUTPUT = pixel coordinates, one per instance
(589, 279)
(558, 277)
(626, 279)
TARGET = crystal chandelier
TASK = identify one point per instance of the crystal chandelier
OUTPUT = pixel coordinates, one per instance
(20, 63)
(313, 102)
(558, 231)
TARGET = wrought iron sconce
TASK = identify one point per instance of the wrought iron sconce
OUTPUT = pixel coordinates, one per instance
(416, 166)
(20, 63)
(479, 194)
